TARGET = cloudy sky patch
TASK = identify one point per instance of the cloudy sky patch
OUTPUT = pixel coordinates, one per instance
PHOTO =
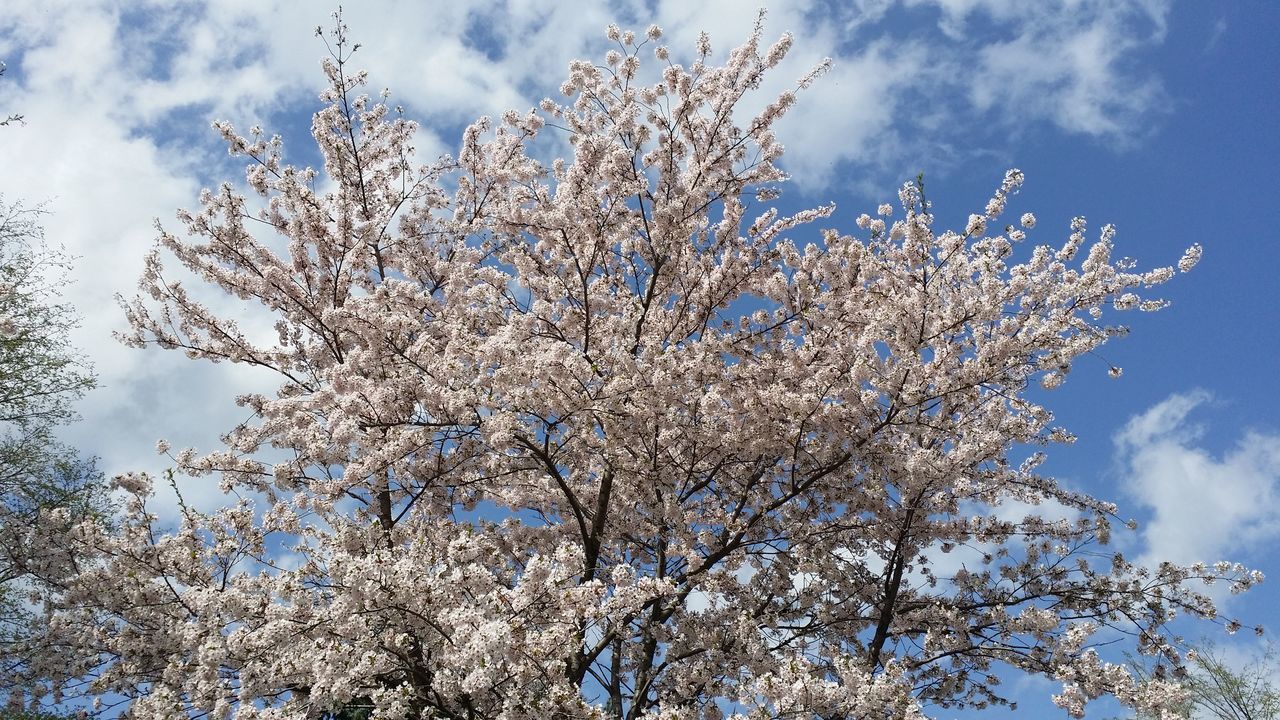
(1205, 505)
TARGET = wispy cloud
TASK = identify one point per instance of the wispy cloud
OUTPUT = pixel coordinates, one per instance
(1069, 64)
(1215, 34)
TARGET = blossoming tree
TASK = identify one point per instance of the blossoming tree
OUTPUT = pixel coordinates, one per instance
(591, 439)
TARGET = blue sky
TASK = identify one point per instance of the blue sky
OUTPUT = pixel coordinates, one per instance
(1159, 118)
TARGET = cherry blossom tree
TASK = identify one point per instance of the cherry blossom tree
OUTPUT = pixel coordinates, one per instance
(605, 436)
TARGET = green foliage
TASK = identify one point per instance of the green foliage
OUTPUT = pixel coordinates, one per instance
(40, 373)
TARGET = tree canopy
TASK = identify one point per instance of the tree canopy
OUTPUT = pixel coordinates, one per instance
(608, 436)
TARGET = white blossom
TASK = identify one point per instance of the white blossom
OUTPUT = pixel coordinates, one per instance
(1190, 258)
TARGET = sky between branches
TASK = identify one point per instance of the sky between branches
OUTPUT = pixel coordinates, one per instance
(1153, 117)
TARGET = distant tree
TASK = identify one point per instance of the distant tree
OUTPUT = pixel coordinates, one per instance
(610, 437)
(1215, 689)
(42, 482)
(1221, 691)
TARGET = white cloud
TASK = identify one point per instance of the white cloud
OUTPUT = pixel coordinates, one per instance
(1065, 63)
(1205, 506)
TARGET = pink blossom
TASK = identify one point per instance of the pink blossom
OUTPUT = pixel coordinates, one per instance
(557, 440)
